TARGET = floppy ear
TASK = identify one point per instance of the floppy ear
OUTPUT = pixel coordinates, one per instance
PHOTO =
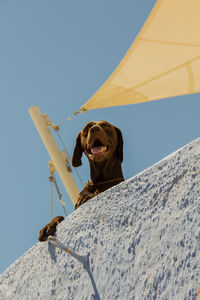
(76, 159)
(120, 144)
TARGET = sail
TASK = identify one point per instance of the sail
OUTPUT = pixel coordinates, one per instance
(163, 61)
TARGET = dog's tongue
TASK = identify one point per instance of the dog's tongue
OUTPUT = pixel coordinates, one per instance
(96, 150)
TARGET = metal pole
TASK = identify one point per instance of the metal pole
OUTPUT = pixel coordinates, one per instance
(84, 259)
(54, 152)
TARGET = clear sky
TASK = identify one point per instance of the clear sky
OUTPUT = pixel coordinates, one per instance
(56, 54)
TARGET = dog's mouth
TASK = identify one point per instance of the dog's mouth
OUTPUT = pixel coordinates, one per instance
(99, 148)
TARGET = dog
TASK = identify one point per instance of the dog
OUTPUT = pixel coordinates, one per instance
(102, 143)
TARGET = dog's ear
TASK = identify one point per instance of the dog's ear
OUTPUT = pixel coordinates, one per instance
(120, 144)
(76, 159)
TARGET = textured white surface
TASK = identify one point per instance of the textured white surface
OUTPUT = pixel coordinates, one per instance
(143, 237)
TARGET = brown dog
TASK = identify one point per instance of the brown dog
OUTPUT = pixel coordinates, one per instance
(102, 143)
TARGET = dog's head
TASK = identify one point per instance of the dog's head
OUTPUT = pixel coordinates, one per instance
(99, 141)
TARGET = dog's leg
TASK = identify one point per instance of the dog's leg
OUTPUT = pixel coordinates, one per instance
(87, 193)
(49, 229)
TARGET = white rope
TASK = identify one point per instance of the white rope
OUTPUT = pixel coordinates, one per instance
(82, 110)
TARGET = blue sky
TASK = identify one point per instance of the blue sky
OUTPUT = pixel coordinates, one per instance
(56, 54)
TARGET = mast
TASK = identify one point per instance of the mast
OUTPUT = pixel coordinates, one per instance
(58, 160)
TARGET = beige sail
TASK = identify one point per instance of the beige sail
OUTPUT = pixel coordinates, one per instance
(163, 61)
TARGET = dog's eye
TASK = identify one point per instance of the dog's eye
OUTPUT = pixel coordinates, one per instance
(85, 132)
(104, 125)
(86, 129)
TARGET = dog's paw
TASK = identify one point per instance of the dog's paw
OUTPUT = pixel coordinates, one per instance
(49, 229)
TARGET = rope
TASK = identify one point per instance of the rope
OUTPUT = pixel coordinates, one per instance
(53, 179)
(56, 129)
(56, 126)
(82, 110)
(51, 200)
(77, 173)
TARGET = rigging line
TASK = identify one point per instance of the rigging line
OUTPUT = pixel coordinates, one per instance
(82, 110)
(59, 194)
(51, 201)
(76, 171)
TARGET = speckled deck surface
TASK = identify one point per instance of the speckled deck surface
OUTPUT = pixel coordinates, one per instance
(143, 237)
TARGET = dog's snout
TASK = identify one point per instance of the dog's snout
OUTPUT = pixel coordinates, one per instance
(94, 129)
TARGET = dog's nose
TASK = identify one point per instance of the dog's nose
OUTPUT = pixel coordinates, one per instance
(94, 129)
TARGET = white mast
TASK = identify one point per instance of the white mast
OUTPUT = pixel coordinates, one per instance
(57, 157)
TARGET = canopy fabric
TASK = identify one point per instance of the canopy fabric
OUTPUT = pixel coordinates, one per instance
(163, 61)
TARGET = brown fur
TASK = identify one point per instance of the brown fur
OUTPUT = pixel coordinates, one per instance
(102, 143)
(49, 229)
(105, 166)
